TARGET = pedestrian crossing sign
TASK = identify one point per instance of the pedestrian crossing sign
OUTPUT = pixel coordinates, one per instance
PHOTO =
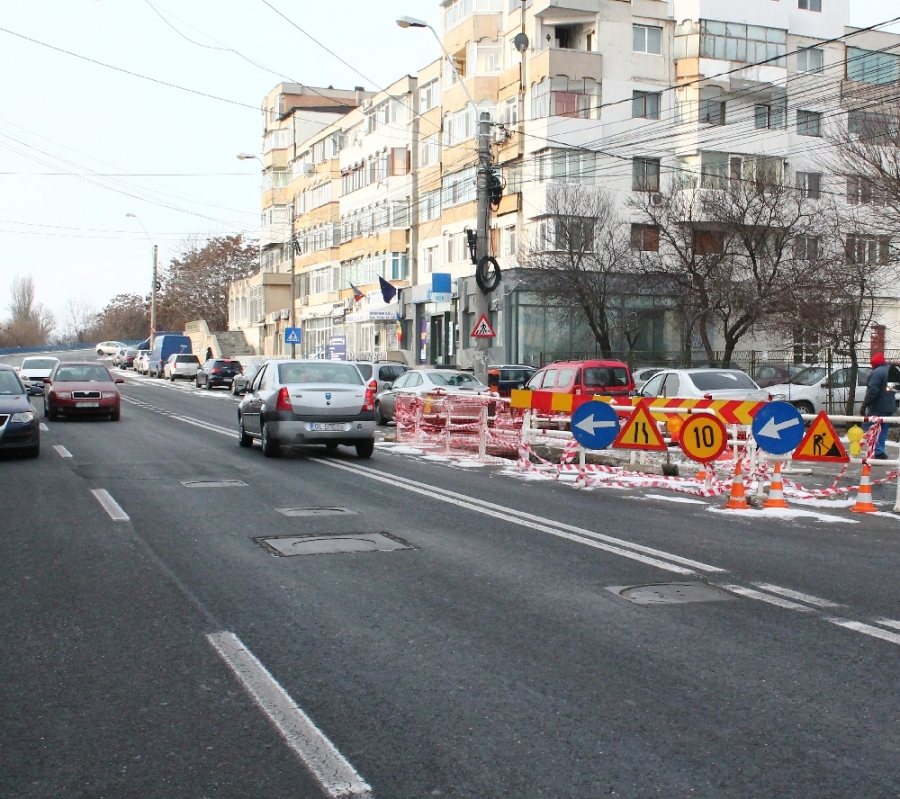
(821, 442)
(292, 335)
(483, 328)
(640, 431)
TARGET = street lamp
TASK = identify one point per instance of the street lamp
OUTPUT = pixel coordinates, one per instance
(290, 205)
(153, 288)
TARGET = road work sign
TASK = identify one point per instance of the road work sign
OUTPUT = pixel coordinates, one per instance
(703, 437)
(778, 428)
(821, 443)
(595, 425)
(640, 431)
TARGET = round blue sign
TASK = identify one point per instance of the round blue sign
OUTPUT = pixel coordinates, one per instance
(778, 428)
(595, 424)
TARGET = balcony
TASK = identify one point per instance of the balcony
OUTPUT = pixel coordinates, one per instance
(574, 64)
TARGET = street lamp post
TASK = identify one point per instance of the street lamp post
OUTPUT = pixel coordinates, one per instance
(153, 287)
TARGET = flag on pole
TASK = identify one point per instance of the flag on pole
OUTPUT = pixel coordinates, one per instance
(388, 292)
(357, 294)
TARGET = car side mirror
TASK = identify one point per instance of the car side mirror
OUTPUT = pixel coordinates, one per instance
(634, 393)
(120, 380)
(47, 380)
(387, 386)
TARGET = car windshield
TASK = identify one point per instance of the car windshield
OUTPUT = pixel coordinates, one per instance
(82, 374)
(453, 379)
(605, 376)
(39, 363)
(721, 381)
(809, 376)
(9, 383)
(328, 372)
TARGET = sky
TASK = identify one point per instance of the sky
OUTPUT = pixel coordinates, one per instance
(167, 155)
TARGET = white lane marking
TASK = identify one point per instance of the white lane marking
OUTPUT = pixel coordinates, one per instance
(110, 505)
(62, 451)
(888, 623)
(772, 600)
(866, 629)
(330, 768)
(44, 428)
(798, 595)
(525, 519)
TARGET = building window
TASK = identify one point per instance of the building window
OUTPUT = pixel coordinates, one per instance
(508, 241)
(712, 111)
(429, 96)
(511, 111)
(563, 97)
(868, 249)
(809, 5)
(771, 116)
(809, 123)
(810, 59)
(646, 39)
(430, 205)
(870, 66)
(459, 187)
(645, 174)
(734, 41)
(806, 248)
(645, 104)
(877, 128)
(571, 166)
(809, 183)
(431, 150)
(457, 247)
(457, 127)
(429, 259)
(484, 59)
(863, 191)
(708, 242)
(566, 233)
(645, 238)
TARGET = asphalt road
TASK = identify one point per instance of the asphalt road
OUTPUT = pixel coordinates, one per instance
(172, 654)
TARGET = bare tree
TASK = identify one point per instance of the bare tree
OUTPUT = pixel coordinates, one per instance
(125, 317)
(582, 254)
(78, 317)
(30, 323)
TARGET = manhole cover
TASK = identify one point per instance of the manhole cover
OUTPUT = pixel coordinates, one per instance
(669, 593)
(332, 544)
(212, 483)
(293, 512)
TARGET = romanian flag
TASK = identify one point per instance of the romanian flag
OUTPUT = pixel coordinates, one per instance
(357, 294)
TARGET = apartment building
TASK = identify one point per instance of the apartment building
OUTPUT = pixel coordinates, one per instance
(621, 95)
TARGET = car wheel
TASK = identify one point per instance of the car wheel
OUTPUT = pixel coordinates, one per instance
(99, 352)
(364, 449)
(380, 418)
(33, 452)
(233, 390)
(50, 412)
(244, 440)
(270, 447)
(172, 378)
(804, 407)
(196, 382)
(116, 414)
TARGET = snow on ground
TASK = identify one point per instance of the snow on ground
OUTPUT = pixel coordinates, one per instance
(668, 498)
(784, 513)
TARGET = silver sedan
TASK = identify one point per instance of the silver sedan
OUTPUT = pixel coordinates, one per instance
(423, 381)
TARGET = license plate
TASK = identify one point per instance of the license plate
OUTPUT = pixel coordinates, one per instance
(87, 404)
(327, 426)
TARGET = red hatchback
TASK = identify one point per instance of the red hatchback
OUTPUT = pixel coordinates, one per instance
(81, 389)
(608, 378)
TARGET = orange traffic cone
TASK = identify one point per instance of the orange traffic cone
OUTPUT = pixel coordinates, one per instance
(864, 497)
(737, 500)
(776, 490)
(701, 475)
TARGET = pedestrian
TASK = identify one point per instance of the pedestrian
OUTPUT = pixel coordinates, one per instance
(879, 401)
(209, 355)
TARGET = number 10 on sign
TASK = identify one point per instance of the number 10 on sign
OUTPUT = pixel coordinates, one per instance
(703, 438)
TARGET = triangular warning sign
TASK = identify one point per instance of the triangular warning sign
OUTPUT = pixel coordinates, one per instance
(821, 442)
(483, 329)
(640, 431)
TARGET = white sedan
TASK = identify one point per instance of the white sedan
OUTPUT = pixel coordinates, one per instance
(108, 347)
(715, 384)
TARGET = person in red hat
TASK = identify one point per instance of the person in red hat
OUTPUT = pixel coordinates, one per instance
(879, 400)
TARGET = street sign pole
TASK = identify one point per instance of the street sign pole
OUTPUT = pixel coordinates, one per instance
(482, 247)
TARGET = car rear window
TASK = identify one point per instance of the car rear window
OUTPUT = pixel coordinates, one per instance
(606, 376)
(186, 359)
(328, 372)
(721, 381)
(9, 383)
(39, 363)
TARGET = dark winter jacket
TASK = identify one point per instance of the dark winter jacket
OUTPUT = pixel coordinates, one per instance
(879, 400)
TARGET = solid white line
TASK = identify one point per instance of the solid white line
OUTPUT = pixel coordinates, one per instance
(110, 505)
(525, 519)
(866, 629)
(888, 623)
(330, 768)
(63, 452)
(798, 595)
(772, 600)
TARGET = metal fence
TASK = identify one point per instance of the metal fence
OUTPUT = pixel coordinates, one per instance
(56, 348)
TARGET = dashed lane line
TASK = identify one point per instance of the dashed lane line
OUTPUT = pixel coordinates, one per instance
(865, 629)
(44, 428)
(62, 451)
(110, 505)
(798, 595)
(772, 600)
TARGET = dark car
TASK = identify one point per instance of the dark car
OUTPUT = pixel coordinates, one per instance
(127, 360)
(217, 372)
(19, 426)
(503, 379)
(243, 379)
(82, 389)
(773, 374)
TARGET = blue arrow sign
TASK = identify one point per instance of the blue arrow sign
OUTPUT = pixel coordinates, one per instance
(292, 335)
(778, 428)
(595, 424)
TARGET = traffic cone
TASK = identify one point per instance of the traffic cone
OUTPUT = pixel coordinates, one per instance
(737, 500)
(701, 475)
(864, 497)
(776, 490)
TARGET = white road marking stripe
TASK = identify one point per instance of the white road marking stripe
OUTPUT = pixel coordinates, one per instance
(330, 768)
(798, 595)
(44, 428)
(110, 505)
(772, 600)
(888, 623)
(508, 514)
(63, 452)
(866, 629)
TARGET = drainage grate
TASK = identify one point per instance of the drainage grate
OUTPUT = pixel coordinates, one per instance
(212, 483)
(669, 593)
(296, 512)
(332, 544)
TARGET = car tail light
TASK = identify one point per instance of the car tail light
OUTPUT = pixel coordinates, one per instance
(283, 403)
(369, 403)
(214, 371)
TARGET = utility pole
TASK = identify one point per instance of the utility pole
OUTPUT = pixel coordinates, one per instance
(153, 300)
(483, 241)
(293, 285)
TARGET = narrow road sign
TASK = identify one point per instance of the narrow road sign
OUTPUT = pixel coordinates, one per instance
(640, 431)
(595, 425)
(778, 428)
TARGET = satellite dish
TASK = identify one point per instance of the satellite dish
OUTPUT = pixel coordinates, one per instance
(520, 42)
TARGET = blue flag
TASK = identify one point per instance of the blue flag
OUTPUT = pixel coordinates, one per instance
(388, 292)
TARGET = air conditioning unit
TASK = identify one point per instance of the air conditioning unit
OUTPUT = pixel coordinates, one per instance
(285, 313)
(309, 169)
(348, 303)
(656, 198)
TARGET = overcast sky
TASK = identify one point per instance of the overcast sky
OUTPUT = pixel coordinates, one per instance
(60, 113)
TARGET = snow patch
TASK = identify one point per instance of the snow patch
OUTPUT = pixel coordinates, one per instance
(784, 513)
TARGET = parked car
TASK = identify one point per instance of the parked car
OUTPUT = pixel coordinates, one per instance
(384, 373)
(593, 377)
(81, 389)
(217, 372)
(108, 347)
(181, 365)
(19, 425)
(502, 379)
(716, 384)
(642, 375)
(163, 347)
(127, 360)
(33, 371)
(424, 381)
(141, 361)
(773, 374)
(119, 357)
(301, 402)
(243, 379)
(808, 390)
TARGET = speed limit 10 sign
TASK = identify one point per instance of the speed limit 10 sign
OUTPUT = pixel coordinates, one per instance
(703, 438)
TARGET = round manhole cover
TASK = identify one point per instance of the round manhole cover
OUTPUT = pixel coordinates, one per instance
(670, 593)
